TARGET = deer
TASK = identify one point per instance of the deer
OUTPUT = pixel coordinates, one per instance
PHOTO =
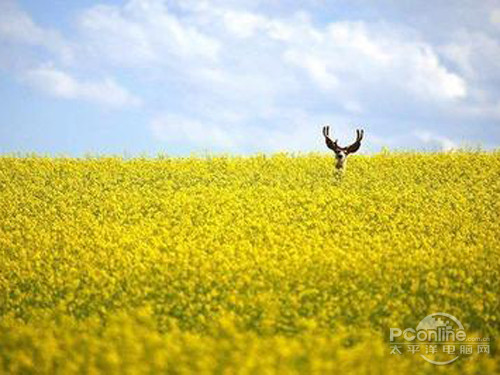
(341, 153)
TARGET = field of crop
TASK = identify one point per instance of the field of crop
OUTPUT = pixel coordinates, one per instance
(263, 264)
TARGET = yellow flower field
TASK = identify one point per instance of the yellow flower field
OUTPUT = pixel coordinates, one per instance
(252, 265)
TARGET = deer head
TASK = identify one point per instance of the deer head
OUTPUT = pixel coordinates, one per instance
(341, 153)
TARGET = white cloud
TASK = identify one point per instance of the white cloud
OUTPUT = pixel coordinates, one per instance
(293, 131)
(443, 143)
(266, 63)
(476, 54)
(181, 130)
(143, 32)
(360, 57)
(316, 67)
(242, 24)
(352, 61)
(495, 17)
(62, 85)
(17, 27)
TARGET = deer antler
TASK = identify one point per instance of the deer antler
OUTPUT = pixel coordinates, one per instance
(356, 145)
(341, 153)
(331, 144)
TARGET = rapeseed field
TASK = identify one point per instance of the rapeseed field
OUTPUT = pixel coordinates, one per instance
(253, 265)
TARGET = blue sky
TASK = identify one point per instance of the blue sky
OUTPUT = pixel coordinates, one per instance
(149, 76)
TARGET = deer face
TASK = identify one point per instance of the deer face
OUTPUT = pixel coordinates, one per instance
(341, 153)
(341, 157)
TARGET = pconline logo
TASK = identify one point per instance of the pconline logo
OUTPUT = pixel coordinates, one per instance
(439, 338)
